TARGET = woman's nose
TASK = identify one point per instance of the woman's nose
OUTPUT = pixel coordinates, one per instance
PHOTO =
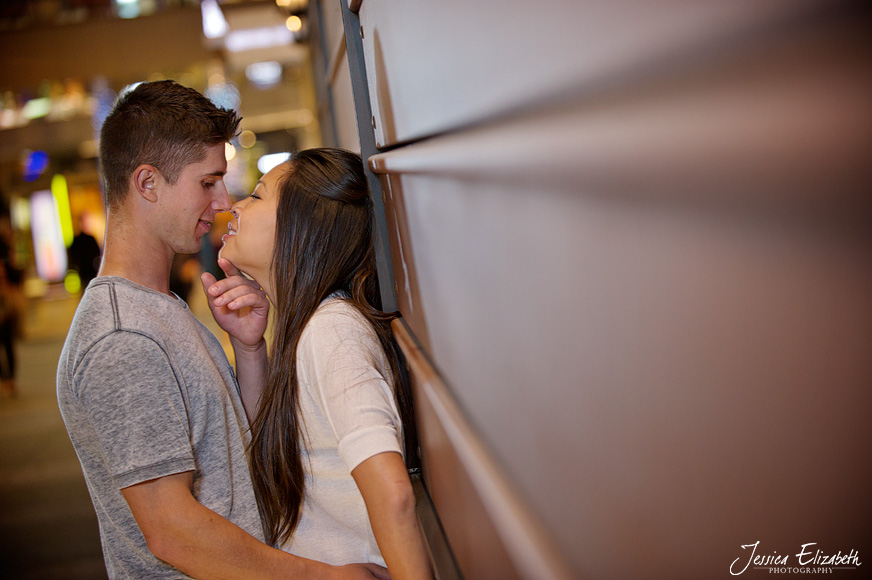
(237, 207)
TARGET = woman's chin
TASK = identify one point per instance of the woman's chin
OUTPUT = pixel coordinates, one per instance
(223, 253)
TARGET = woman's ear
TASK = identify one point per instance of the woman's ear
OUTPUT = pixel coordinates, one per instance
(144, 181)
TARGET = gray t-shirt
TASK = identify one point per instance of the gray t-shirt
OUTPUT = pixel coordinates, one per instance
(146, 391)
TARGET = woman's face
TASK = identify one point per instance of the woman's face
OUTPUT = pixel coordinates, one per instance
(249, 243)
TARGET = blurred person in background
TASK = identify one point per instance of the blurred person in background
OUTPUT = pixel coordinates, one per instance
(9, 317)
(147, 394)
(84, 254)
(12, 303)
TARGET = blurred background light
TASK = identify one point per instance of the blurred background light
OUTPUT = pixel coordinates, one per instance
(62, 201)
(264, 74)
(19, 213)
(214, 23)
(247, 139)
(293, 23)
(253, 38)
(37, 108)
(72, 282)
(48, 244)
(292, 5)
(267, 162)
(35, 163)
(127, 8)
(224, 95)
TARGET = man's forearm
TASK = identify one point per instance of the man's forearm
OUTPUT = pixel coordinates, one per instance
(209, 547)
(196, 540)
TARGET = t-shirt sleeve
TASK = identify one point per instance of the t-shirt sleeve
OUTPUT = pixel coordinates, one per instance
(134, 403)
(346, 365)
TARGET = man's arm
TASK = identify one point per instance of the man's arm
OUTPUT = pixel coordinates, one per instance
(199, 542)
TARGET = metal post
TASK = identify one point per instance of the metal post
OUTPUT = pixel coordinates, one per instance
(363, 110)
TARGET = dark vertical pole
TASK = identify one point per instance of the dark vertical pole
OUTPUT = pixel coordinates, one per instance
(363, 110)
(321, 68)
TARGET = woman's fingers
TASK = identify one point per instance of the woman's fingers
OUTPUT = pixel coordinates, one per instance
(218, 287)
(207, 279)
(236, 296)
(229, 268)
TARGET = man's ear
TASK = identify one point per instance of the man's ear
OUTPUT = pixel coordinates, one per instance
(145, 179)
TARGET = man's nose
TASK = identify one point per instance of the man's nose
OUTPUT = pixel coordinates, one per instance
(222, 200)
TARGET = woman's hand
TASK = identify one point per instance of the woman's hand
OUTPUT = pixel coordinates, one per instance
(239, 305)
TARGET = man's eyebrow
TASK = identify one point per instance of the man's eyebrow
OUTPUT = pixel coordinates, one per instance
(215, 174)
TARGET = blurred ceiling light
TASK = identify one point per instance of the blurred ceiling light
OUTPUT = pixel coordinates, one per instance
(292, 4)
(128, 8)
(267, 162)
(264, 74)
(293, 23)
(252, 38)
(214, 24)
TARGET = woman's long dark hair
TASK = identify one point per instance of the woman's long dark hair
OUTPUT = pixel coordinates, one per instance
(323, 245)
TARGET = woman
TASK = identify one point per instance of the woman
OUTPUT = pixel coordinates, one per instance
(327, 453)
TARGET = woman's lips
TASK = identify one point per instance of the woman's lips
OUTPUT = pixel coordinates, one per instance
(230, 232)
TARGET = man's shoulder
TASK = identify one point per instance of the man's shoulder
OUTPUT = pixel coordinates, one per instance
(114, 305)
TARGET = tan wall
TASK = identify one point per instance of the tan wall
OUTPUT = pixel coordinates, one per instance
(633, 243)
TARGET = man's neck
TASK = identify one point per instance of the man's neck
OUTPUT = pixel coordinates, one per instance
(140, 260)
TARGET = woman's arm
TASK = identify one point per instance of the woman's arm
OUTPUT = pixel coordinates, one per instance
(384, 483)
(241, 308)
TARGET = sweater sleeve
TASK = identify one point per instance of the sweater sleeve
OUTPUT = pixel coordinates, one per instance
(348, 375)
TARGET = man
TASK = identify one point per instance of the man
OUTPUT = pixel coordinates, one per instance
(150, 401)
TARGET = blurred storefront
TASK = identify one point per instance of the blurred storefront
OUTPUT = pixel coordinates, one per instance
(62, 64)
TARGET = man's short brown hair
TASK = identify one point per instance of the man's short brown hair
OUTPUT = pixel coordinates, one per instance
(162, 124)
